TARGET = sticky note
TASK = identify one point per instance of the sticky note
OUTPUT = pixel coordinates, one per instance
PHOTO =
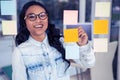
(8, 7)
(100, 44)
(100, 26)
(71, 35)
(70, 17)
(102, 9)
(9, 27)
(72, 51)
(87, 27)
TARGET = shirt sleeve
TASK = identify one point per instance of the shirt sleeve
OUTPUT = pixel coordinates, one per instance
(87, 58)
(18, 67)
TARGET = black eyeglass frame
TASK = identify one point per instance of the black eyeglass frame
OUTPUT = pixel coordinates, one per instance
(36, 15)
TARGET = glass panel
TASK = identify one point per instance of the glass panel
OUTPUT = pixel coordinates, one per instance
(88, 11)
(115, 33)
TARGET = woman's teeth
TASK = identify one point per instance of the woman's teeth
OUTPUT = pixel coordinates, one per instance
(39, 26)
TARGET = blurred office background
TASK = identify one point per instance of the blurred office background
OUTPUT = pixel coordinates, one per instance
(55, 8)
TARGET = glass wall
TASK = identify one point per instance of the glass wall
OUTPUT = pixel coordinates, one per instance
(55, 9)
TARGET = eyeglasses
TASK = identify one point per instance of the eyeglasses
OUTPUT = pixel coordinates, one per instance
(33, 16)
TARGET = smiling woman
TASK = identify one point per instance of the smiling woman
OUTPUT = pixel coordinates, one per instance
(39, 52)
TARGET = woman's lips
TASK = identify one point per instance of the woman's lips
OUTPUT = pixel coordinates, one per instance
(39, 26)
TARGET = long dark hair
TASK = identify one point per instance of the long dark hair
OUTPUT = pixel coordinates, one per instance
(52, 32)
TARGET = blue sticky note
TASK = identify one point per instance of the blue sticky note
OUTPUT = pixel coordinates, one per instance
(72, 51)
(8, 7)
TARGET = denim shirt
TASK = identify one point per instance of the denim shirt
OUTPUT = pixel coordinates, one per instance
(33, 60)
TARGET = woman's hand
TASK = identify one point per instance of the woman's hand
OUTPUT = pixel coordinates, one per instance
(83, 37)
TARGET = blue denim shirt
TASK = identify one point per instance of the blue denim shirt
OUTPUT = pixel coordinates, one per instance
(33, 60)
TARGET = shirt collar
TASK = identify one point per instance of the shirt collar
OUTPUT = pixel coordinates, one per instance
(33, 41)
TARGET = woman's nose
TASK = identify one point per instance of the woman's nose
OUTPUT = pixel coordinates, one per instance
(38, 19)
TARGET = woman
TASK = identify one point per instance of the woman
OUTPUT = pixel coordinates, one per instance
(40, 54)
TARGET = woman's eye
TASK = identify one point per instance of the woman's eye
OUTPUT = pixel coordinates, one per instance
(31, 16)
(42, 15)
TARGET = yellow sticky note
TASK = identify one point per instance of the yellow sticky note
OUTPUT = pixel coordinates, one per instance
(100, 45)
(71, 35)
(9, 27)
(70, 17)
(100, 26)
(102, 9)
